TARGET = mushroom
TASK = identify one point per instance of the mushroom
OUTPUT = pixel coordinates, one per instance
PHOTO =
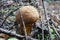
(30, 15)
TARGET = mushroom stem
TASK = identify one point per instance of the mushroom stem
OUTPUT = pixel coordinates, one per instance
(28, 29)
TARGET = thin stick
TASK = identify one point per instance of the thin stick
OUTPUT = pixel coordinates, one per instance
(23, 24)
(41, 23)
(47, 20)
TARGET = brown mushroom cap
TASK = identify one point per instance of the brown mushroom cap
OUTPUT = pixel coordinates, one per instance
(29, 14)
